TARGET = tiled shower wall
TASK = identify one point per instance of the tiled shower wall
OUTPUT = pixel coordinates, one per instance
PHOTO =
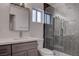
(69, 44)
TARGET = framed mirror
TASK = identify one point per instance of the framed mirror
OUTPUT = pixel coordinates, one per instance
(19, 18)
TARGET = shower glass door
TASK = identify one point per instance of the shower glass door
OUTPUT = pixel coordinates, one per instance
(48, 27)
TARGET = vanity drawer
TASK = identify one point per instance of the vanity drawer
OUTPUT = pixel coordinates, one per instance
(18, 47)
(31, 45)
(23, 46)
(21, 53)
(5, 50)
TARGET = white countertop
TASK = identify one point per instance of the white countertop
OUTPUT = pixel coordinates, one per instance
(18, 40)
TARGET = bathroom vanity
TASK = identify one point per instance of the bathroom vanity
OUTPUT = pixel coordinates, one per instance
(19, 48)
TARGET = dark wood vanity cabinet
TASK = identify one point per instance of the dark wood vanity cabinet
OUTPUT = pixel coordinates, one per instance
(19, 49)
(25, 49)
(5, 50)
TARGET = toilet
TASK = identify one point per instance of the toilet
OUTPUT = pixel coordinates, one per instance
(45, 52)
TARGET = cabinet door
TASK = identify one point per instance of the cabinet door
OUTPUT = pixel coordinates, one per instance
(22, 53)
(32, 52)
(5, 50)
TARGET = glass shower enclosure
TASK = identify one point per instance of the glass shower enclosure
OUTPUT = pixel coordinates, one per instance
(56, 34)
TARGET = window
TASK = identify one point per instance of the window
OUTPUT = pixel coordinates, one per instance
(39, 16)
(47, 18)
(36, 16)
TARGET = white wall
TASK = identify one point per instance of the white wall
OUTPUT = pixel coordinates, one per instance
(5, 33)
(36, 29)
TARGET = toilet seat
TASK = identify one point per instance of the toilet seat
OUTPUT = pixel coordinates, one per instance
(45, 52)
